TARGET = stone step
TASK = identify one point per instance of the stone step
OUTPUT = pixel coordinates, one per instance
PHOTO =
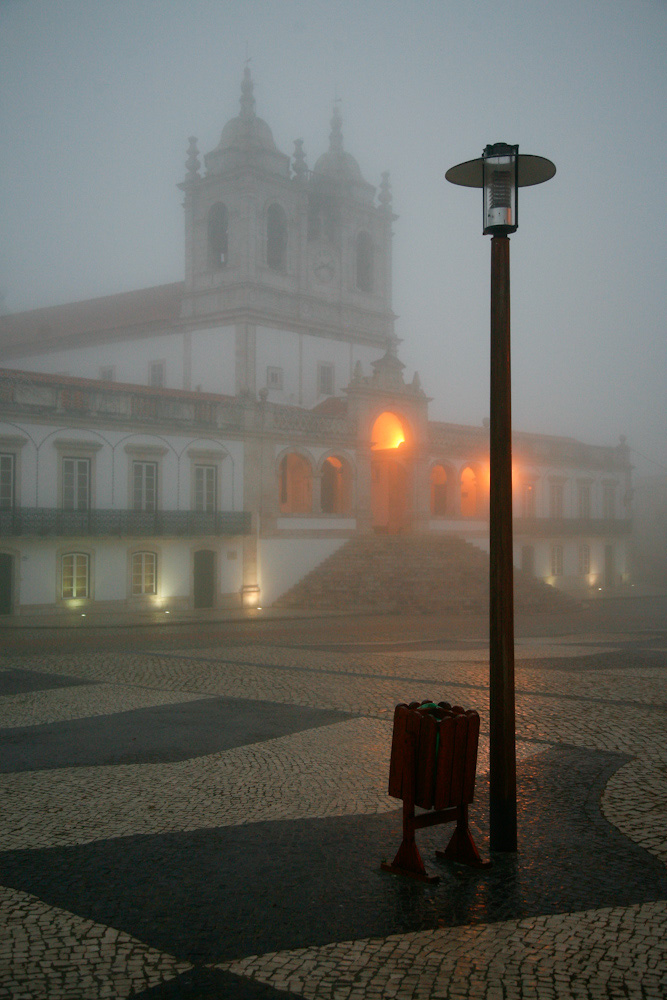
(411, 572)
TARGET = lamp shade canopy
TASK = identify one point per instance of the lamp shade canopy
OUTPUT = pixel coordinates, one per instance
(500, 171)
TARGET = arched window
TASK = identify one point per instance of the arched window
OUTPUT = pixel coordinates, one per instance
(218, 236)
(296, 485)
(75, 571)
(439, 504)
(335, 486)
(468, 493)
(276, 238)
(364, 263)
(144, 573)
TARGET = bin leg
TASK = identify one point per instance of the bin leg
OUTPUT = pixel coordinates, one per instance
(462, 847)
(408, 859)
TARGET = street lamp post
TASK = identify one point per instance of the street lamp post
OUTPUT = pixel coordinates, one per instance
(500, 172)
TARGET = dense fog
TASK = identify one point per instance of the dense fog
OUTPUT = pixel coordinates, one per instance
(98, 101)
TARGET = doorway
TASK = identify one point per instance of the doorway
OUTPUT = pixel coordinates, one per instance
(390, 479)
(204, 578)
(389, 499)
(6, 579)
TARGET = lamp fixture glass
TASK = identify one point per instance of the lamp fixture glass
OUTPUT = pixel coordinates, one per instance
(500, 164)
(501, 171)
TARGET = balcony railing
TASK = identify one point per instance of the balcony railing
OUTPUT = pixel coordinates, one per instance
(47, 521)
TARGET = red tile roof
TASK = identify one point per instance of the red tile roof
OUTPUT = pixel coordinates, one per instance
(17, 376)
(332, 406)
(147, 307)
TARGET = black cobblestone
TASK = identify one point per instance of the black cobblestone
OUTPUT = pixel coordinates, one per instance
(217, 894)
(162, 733)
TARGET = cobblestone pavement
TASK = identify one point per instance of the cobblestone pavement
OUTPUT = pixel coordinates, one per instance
(207, 820)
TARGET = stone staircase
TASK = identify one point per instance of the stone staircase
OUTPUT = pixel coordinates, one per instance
(412, 573)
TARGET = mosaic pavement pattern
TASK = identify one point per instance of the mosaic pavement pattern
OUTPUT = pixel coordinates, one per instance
(209, 823)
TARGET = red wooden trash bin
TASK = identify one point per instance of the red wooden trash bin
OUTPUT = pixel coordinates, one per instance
(433, 765)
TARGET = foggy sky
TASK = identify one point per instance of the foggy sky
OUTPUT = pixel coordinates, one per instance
(97, 101)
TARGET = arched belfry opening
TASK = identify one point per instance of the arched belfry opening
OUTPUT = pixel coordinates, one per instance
(218, 236)
(276, 238)
(391, 474)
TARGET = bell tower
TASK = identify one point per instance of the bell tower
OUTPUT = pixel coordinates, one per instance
(283, 258)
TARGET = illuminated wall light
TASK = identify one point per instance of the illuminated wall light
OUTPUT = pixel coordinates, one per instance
(387, 432)
(250, 596)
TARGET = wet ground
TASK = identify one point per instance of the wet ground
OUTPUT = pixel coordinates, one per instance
(200, 810)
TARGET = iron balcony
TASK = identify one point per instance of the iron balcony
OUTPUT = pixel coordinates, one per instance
(50, 522)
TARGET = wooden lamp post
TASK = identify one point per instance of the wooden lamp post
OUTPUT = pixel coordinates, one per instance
(500, 172)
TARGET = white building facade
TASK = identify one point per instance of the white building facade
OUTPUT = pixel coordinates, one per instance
(207, 443)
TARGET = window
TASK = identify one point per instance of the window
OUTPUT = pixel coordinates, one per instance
(556, 493)
(276, 238)
(274, 377)
(218, 236)
(609, 500)
(556, 560)
(584, 560)
(144, 485)
(364, 257)
(206, 488)
(144, 573)
(76, 483)
(335, 486)
(6, 482)
(584, 501)
(528, 499)
(156, 374)
(325, 379)
(296, 485)
(107, 373)
(75, 575)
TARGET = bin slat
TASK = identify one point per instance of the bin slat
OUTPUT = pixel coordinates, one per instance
(471, 756)
(396, 764)
(428, 739)
(443, 779)
(459, 758)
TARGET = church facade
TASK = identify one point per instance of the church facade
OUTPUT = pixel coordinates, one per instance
(206, 443)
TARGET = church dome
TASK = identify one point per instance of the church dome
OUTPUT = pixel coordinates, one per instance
(339, 166)
(244, 132)
(246, 136)
(336, 163)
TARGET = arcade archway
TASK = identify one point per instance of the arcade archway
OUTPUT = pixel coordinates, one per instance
(391, 474)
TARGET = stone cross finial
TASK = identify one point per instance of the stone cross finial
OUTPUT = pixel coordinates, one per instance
(385, 192)
(336, 134)
(192, 161)
(247, 98)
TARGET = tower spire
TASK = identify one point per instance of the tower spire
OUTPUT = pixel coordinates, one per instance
(247, 101)
(336, 134)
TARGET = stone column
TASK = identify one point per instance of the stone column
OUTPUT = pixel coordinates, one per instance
(317, 493)
(363, 506)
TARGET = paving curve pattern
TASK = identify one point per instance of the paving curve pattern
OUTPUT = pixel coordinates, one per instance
(210, 823)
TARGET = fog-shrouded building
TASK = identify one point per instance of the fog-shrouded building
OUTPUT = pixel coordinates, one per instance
(208, 442)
